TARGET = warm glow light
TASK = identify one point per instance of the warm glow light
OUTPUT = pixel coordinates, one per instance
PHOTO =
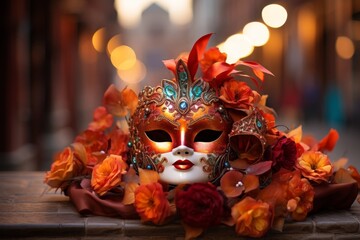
(274, 15)
(134, 74)
(307, 26)
(123, 57)
(113, 43)
(98, 39)
(236, 46)
(182, 134)
(129, 11)
(257, 33)
(344, 47)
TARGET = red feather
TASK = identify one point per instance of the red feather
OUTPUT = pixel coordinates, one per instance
(196, 54)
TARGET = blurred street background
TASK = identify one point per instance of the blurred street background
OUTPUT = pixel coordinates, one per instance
(59, 56)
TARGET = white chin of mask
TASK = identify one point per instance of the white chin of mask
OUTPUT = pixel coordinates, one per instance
(183, 165)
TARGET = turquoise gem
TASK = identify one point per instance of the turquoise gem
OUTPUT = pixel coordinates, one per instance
(183, 76)
(134, 159)
(197, 91)
(258, 123)
(170, 91)
(149, 167)
(129, 144)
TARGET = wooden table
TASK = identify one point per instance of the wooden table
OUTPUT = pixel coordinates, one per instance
(28, 210)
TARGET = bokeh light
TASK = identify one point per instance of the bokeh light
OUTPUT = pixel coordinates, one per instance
(134, 74)
(113, 43)
(344, 47)
(129, 11)
(123, 57)
(236, 46)
(274, 15)
(98, 39)
(257, 33)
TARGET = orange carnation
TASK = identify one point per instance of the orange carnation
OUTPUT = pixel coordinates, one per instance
(252, 217)
(66, 166)
(151, 203)
(107, 175)
(315, 166)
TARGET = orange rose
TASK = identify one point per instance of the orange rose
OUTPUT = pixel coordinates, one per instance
(107, 175)
(315, 166)
(66, 166)
(236, 94)
(252, 218)
(151, 203)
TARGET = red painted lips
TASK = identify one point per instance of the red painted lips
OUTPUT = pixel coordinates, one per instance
(183, 164)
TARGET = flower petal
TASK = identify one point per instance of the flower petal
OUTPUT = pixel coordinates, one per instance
(251, 182)
(231, 183)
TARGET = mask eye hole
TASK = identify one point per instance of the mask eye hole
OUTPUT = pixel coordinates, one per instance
(207, 135)
(158, 136)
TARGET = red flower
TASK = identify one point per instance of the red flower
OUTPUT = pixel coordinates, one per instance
(102, 120)
(284, 154)
(236, 94)
(211, 56)
(201, 205)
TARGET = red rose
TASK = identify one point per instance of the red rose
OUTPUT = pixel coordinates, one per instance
(201, 205)
(284, 154)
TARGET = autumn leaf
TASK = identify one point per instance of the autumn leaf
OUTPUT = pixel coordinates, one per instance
(119, 103)
(129, 194)
(340, 163)
(295, 134)
(148, 176)
(191, 232)
(343, 176)
(80, 151)
(101, 120)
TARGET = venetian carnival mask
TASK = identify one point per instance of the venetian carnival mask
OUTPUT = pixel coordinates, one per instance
(180, 130)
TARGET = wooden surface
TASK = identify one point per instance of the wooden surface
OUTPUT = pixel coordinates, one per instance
(28, 210)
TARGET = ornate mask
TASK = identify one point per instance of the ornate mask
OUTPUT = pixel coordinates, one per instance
(181, 130)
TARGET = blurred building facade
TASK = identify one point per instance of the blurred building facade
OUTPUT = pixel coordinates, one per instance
(53, 77)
